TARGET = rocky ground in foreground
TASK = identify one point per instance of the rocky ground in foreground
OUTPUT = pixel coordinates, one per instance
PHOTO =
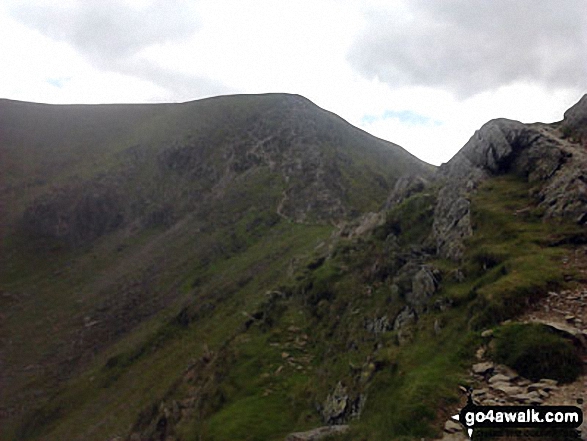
(496, 384)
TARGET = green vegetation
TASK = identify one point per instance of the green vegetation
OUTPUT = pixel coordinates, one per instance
(513, 257)
(536, 352)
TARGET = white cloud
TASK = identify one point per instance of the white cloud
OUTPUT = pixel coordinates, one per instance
(472, 46)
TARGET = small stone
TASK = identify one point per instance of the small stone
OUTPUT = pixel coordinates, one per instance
(543, 393)
(507, 389)
(549, 381)
(499, 378)
(527, 397)
(284, 355)
(570, 318)
(487, 333)
(547, 387)
(482, 368)
(479, 393)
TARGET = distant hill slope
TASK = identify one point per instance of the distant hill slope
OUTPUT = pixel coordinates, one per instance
(193, 151)
(115, 217)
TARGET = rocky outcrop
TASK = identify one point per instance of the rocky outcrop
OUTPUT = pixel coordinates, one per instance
(340, 406)
(534, 152)
(378, 325)
(403, 324)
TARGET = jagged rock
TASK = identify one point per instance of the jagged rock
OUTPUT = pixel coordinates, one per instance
(452, 224)
(403, 323)
(378, 325)
(405, 317)
(424, 285)
(317, 434)
(565, 195)
(335, 406)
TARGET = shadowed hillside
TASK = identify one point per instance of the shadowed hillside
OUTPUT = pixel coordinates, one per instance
(116, 217)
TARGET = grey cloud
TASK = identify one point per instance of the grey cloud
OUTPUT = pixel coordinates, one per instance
(470, 46)
(109, 30)
(111, 33)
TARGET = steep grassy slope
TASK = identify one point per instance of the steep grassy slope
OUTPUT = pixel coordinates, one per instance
(333, 334)
(135, 236)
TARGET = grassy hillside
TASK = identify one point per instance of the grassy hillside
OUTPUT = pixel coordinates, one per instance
(134, 236)
(201, 271)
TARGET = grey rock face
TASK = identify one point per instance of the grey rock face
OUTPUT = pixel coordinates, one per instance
(339, 406)
(336, 404)
(378, 325)
(424, 285)
(576, 118)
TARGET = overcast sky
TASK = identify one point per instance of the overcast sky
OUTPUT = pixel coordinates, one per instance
(423, 74)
